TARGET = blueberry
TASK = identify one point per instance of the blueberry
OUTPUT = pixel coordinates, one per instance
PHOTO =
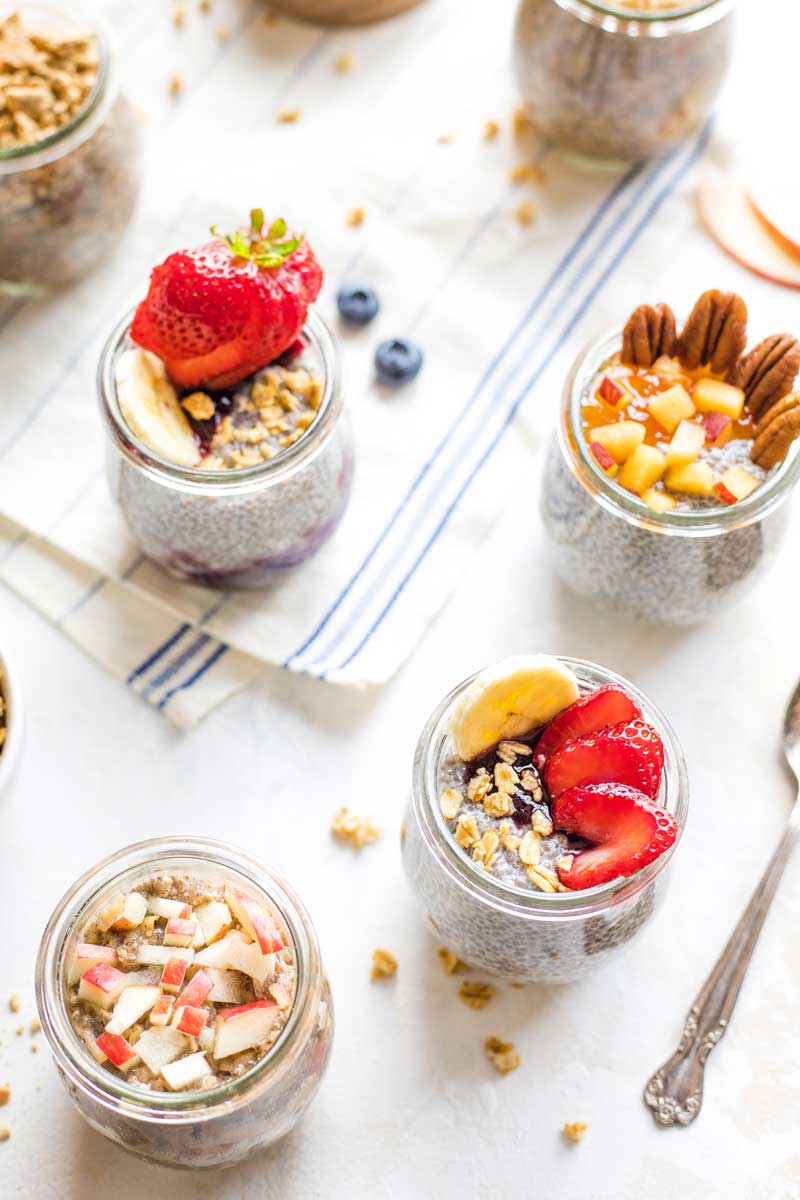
(398, 361)
(357, 304)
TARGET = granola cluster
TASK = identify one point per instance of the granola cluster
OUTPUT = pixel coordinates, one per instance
(354, 830)
(46, 78)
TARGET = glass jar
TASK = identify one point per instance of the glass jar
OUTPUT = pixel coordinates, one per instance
(678, 567)
(242, 528)
(528, 937)
(610, 81)
(189, 1129)
(66, 199)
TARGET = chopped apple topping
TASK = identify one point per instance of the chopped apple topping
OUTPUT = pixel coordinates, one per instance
(671, 407)
(696, 479)
(179, 1075)
(644, 468)
(712, 395)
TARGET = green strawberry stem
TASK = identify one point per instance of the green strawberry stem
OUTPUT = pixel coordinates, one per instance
(270, 250)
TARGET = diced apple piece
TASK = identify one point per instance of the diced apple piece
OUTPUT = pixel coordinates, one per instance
(134, 911)
(671, 407)
(206, 1038)
(250, 960)
(161, 1011)
(281, 995)
(196, 992)
(178, 1075)
(718, 428)
(687, 442)
(179, 931)
(695, 479)
(173, 975)
(157, 1047)
(110, 911)
(132, 1004)
(644, 468)
(117, 1050)
(659, 501)
(254, 919)
(238, 1029)
(101, 985)
(163, 907)
(214, 920)
(712, 395)
(216, 955)
(611, 392)
(97, 1054)
(189, 1020)
(227, 987)
(86, 955)
(159, 956)
(620, 440)
(736, 484)
(604, 460)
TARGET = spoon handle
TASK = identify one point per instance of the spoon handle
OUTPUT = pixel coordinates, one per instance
(675, 1092)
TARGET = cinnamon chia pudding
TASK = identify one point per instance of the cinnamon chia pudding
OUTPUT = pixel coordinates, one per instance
(230, 454)
(665, 490)
(548, 796)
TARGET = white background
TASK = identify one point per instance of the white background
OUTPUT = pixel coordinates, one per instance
(410, 1106)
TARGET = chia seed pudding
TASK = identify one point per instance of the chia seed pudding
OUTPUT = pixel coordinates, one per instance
(180, 987)
(497, 845)
(665, 487)
(68, 148)
(621, 81)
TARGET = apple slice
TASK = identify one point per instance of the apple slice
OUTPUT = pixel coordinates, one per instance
(735, 484)
(660, 502)
(772, 195)
(110, 911)
(695, 479)
(238, 1029)
(227, 987)
(196, 992)
(117, 1050)
(159, 956)
(173, 975)
(644, 468)
(189, 1020)
(179, 931)
(250, 960)
(718, 428)
(134, 911)
(620, 440)
(133, 1003)
(179, 1075)
(687, 442)
(86, 955)
(712, 395)
(162, 907)
(214, 920)
(254, 920)
(671, 407)
(101, 985)
(97, 1054)
(603, 459)
(733, 223)
(157, 1047)
(161, 1011)
(611, 392)
(217, 954)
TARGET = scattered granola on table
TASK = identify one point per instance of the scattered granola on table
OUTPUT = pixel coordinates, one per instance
(384, 964)
(450, 961)
(5, 1134)
(13, 1003)
(5, 1094)
(574, 1130)
(475, 994)
(501, 1055)
(356, 831)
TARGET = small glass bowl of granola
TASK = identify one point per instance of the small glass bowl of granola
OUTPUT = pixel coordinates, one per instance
(621, 81)
(251, 508)
(505, 872)
(69, 176)
(180, 987)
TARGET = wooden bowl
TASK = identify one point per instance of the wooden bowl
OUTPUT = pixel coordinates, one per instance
(343, 12)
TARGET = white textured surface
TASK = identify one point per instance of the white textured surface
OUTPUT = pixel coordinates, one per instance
(410, 1107)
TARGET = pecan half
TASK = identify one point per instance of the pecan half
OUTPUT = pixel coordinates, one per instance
(715, 333)
(767, 372)
(776, 431)
(649, 333)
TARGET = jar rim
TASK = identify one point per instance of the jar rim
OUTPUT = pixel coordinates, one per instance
(650, 18)
(198, 479)
(543, 905)
(83, 124)
(70, 1052)
(699, 522)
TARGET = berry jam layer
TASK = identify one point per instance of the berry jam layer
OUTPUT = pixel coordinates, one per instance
(569, 798)
(181, 984)
(693, 420)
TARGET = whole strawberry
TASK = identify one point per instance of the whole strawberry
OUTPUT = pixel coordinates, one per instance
(219, 312)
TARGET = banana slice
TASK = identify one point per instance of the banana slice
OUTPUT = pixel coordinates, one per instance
(150, 406)
(510, 699)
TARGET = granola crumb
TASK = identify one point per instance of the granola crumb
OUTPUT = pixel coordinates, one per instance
(36, 1026)
(574, 1130)
(345, 62)
(384, 964)
(5, 1093)
(288, 116)
(522, 122)
(491, 130)
(502, 1055)
(444, 139)
(466, 834)
(476, 994)
(450, 961)
(34, 1048)
(175, 85)
(5, 1134)
(485, 850)
(13, 1003)
(179, 16)
(19, 1030)
(525, 213)
(355, 217)
(355, 831)
(526, 173)
(199, 405)
(450, 802)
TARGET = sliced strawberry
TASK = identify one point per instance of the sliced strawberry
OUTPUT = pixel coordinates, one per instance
(631, 753)
(627, 829)
(607, 706)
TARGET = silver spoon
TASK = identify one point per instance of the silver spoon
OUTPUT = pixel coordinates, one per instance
(675, 1092)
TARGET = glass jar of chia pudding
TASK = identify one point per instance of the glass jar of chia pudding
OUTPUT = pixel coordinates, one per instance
(244, 527)
(245, 1103)
(677, 567)
(496, 923)
(621, 81)
(69, 164)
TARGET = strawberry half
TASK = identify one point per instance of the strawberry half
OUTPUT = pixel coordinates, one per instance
(631, 753)
(219, 312)
(628, 830)
(607, 706)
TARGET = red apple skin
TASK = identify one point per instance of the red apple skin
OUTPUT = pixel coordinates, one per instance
(173, 975)
(715, 424)
(116, 1049)
(602, 456)
(229, 1014)
(725, 494)
(190, 1020)
(195, 992)
(611, 392)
